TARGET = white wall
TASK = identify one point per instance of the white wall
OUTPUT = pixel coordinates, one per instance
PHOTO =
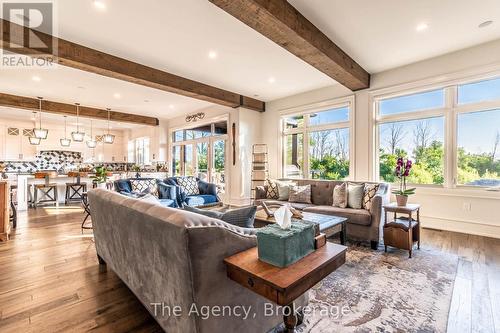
(446, 209)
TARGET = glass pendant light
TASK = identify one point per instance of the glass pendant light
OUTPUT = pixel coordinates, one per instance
(77, 136)
(65, 142)
(34, 141)
(108, 138)
(91, 143)
(40, 133)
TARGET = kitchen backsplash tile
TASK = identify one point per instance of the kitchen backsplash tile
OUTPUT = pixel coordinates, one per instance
(56, 160)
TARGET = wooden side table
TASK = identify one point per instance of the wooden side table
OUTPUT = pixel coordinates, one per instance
(284, 285)
(402, 232)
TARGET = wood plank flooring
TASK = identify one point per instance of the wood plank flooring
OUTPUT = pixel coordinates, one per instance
(50, 280)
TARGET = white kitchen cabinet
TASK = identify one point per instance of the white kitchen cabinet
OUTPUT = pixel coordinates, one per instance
(13, 148)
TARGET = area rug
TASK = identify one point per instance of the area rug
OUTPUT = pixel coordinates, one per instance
(384, 292)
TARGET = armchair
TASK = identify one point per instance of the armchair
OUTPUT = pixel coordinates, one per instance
(166, 193)
(207, 193)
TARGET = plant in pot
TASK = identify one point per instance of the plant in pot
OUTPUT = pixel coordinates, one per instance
(100, 177)
(402, 170)
(137, 169)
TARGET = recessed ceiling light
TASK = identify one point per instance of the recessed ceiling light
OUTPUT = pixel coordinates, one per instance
(117, 95)
(171, 106)
(99, 4)
(485, 24)
(212, 54)
(422, 26)
(36, 78)
(271, 80)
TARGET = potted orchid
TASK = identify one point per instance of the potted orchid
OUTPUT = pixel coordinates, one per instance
(402, 171)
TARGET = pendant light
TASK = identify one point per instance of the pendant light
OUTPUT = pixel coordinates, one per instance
(32, 140)
(78, 136)
(91, 143)
(65, 142)
(108, 138)
(40, 133)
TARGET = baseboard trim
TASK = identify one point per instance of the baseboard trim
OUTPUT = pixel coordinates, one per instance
(465, 227)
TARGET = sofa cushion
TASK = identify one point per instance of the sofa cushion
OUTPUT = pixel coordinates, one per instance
(296, 205)
(355, 216)
(189, 185)
(321, 190)
(200, 200)
(355, 194)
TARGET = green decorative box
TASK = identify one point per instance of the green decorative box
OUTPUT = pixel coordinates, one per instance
(281, 247)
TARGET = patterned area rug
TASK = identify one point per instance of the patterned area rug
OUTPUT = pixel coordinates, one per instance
(384, 292)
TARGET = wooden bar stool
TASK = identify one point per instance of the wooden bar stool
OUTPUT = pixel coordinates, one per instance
(47, 190)
(75, 190)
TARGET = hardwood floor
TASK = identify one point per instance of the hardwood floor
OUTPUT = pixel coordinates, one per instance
(50, 280)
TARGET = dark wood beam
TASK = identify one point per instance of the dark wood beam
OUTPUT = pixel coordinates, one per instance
(279, 21)
(28, 103)
(77, 56)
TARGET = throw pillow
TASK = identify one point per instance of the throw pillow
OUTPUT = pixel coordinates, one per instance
(144, 186)
(284, 189)
(241, 217)
(340, 195)
(370, 192)
(189, 185)
(272, 190)
(355, 194)
(300, 194)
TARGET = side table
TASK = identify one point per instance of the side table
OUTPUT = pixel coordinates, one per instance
(284, 285)
(402, 232)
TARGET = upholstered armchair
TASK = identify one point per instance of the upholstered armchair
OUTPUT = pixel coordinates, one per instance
(137, 187)
(193, 192)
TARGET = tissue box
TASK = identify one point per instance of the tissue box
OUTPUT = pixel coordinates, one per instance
(281, 247)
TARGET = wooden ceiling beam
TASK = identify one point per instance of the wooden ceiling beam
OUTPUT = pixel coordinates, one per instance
(279, 21)
(63, 109)
(80, 57)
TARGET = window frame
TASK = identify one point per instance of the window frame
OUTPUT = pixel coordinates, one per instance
(307, 129)
(451, 110)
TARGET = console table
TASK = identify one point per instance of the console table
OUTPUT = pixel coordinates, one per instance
(284, 285)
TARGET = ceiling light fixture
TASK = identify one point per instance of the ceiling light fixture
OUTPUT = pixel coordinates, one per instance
(34, 116)
(117, 95)
(40, 133)
(271, 80)
(92, 143)
(212, 54)
(99, 4)
(422, 26)
(34, 141)
(108, 137)
(78, 136)
(485, 24)
(36, 78)
(65, 142)
(171, 106)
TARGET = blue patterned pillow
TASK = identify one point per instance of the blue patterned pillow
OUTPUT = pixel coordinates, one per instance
(189, 185)
(241, 217)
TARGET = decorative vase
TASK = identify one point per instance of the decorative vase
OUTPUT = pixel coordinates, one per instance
(402, 200)
(101, 185)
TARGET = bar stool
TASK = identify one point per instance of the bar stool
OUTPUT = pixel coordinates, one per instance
(45, 189)
(75, 190)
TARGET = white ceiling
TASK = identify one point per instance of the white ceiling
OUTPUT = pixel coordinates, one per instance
(382, 34)
(177, 35)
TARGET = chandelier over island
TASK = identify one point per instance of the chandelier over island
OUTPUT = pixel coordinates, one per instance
(108, 138)
(78, 136)
(40, 133)
(65, 142)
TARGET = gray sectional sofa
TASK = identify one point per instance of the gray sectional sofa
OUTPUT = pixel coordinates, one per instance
(361, 225)
(174, 257)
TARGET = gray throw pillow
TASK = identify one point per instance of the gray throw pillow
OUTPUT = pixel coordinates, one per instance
(150, 198)
(355, 194)
(284, 189)
(340, 195)
(241, 217)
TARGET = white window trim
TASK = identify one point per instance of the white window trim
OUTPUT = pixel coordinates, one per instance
(348, 101)
(450, 112)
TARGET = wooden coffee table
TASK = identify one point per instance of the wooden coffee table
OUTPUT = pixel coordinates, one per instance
(284, 285)
(327, 223)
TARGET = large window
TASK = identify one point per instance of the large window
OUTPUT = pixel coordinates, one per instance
(200, 151)
(452, 134)
(317, 144)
